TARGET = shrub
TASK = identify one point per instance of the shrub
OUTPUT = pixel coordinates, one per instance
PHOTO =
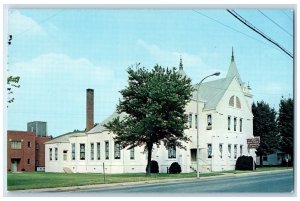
(244, 163)
(153, 167)
(23, 169)
(175, 168)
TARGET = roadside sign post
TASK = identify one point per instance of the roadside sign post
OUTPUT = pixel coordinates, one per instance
(253, 143)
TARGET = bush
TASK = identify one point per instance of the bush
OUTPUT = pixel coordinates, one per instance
(175, 168)
(23, 169)
(153, 167)
(244, 163)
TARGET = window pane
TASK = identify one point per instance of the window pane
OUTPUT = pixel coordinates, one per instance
(221, 150)
(132, 153)
(98, 150)
(235, 151)
(117, 151)
(209, 150)
(172, 151)
(234, 124)
(50, 154)
(190, 120)
(241, 125)
(92, 151)
(73, 151)
(229, 122)
(106, 150)
(15, 144)
(56, 154)
(82, 151)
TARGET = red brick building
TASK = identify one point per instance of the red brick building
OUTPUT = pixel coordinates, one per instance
(25, 151)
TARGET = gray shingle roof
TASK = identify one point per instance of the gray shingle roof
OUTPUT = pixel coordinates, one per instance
(100, 128)
(65, 137)
(212, 92)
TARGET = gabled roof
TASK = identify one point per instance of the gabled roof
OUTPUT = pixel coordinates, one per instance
(100, 128)
(65, 137)
(232, 71)
(212, 92)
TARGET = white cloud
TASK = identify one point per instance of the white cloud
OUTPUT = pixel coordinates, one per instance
(21, 24)
(194, 65)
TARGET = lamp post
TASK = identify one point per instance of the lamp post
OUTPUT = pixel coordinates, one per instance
(198, 87)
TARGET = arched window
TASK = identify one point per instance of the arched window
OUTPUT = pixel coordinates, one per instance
(231, 101)
(238, 103)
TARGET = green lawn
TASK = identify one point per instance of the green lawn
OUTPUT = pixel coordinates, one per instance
(35, 180)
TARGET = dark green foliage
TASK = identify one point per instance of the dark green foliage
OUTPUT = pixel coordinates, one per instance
(264, 125)
(244, 163)
(153, 167)
(175, 168)
(154, 103)
(12, 82)
(286, 126)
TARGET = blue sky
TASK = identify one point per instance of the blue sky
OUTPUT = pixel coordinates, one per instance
(60, 53)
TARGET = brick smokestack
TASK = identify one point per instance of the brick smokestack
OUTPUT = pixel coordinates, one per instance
(89, 109)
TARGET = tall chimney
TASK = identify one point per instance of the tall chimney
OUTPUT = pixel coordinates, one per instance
(89, 109)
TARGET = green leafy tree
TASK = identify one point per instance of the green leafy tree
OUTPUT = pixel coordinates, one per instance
(264, 126)
(286, 126)
(154, 103)
(11, 83)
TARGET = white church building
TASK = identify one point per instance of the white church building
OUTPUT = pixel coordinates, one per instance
(225, 123)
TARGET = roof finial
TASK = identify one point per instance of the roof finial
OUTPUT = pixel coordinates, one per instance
(232, 56)
(180, 64)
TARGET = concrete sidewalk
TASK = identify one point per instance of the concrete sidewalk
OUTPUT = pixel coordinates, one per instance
(78, 188)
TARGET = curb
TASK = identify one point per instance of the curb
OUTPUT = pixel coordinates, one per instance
(163, 181)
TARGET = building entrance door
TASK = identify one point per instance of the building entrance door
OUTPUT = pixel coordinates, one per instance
(14, 165)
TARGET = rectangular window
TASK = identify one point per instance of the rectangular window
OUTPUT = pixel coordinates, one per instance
(234, 124)
(15, 144)
(117, 151)
(37, 146)
(92, 151)
(209, 150)
(229, 150)
(196, 120)
(37, 163)
(106, 150)
(65, 155)
(50, 154)
(265, 158)
(190, 120)
(209, 122)
(82, 151)
(221, 150)
(73, 151)
(98, 150)
(132, 153)
(235, 151)
(29, 144)
(28, 161)
(241, 124)
(229, 122)
(56, 153)
(172, 151)
(241, 150)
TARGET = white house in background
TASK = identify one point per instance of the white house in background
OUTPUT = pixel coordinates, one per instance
(225, 124)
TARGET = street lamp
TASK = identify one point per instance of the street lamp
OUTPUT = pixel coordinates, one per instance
(198, 87)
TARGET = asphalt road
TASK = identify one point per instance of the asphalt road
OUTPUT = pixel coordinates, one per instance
(277, 182)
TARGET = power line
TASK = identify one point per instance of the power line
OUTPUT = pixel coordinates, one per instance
(240, 18)
(286, 15)
(234, 29)
(275, 23)
(42, 21)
